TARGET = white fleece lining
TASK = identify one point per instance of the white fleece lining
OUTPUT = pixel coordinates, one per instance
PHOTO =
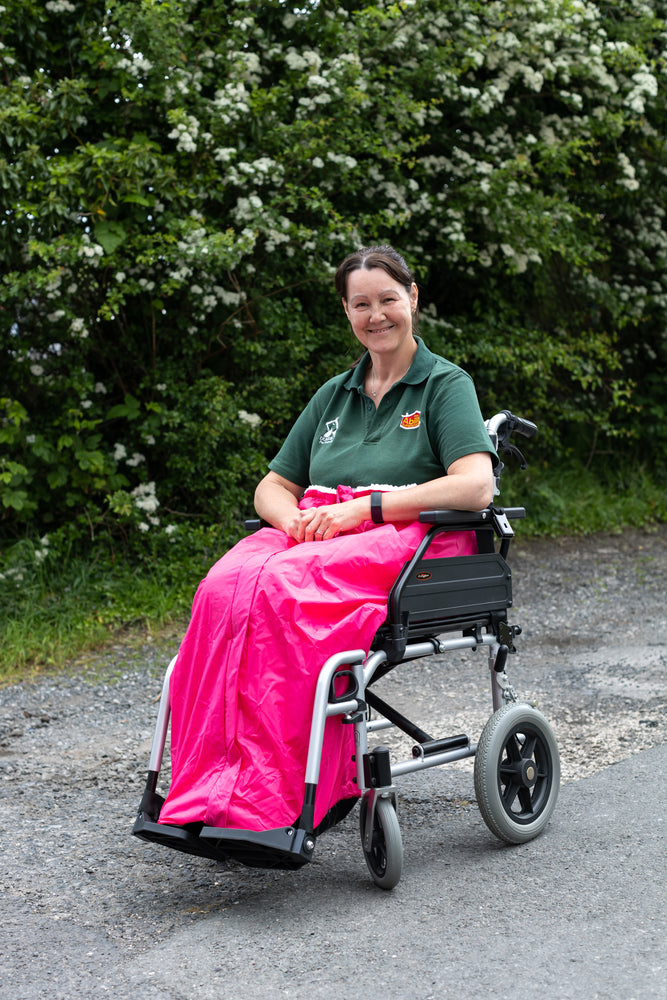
(384, 488)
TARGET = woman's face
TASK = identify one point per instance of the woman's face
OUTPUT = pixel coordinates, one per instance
(380, 310)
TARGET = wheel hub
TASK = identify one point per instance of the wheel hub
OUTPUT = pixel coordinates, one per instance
(528, 773)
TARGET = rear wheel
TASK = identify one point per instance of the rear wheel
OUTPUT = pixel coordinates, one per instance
(517, 773)
(384, 858)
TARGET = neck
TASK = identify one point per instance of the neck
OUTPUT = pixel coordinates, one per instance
(392, 367)
(383, 372)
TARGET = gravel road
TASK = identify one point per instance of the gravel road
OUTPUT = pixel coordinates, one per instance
(84, 902)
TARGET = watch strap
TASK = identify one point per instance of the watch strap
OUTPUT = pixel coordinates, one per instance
(376, 508)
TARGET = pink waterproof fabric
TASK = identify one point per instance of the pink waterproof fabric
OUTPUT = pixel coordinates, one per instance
(264, 621)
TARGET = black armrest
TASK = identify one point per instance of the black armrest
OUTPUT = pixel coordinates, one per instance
(469, 519)
(255, 523)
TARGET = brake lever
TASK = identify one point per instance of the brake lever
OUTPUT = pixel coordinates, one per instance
(511, 449)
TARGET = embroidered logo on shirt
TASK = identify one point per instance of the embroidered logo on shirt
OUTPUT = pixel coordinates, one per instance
(330, 433)
(411, 421)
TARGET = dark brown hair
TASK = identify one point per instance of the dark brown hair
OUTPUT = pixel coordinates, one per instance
(385, 257)
(366, 258)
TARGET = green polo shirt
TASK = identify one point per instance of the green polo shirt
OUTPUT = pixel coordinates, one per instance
(423, 424)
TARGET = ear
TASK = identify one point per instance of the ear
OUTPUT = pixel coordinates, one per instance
(414, 296)
(344, 301)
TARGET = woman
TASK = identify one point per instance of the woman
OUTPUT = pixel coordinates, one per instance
(276, 606)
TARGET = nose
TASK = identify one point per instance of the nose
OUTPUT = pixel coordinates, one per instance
(377, 312)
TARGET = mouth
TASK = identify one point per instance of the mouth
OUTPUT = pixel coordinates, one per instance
(381, 330)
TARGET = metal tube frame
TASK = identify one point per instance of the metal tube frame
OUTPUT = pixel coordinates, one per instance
(362, 668)
(162, 723)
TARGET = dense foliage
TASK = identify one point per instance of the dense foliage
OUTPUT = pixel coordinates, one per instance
(179, 179)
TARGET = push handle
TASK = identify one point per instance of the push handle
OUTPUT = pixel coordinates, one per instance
(502, 425)
(522, 426)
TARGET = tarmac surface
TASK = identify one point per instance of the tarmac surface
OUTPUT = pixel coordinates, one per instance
(89, 911)
(577, 913)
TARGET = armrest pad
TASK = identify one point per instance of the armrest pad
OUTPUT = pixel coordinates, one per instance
(471, 518)
(468, 518)
(255, 523)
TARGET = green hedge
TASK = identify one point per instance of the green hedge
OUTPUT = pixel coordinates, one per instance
(179, 180)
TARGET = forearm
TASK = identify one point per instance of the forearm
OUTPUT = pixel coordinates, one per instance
(467, 486)
(442, 494)
(276, 501)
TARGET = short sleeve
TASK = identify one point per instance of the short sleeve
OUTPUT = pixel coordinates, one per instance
(293, 460)
(455, 423)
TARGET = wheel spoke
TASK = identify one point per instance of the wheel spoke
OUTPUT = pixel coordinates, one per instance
(513, 748)
(528, 749)
(509, 794)
(526, 800)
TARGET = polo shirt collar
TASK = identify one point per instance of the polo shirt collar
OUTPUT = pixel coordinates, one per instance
(419, 370)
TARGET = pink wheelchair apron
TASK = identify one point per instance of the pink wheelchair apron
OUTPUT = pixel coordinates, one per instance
(265, 619)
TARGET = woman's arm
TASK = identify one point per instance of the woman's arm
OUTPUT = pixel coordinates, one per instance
(468, 485)
(276, 501)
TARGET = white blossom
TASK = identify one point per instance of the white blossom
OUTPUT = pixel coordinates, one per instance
(224, 154)
(145, 498)
(60, 7)
(185, 133)
(628, 180)
(253, 419)
(77, 326)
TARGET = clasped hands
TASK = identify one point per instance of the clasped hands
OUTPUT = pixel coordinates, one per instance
(318, 524)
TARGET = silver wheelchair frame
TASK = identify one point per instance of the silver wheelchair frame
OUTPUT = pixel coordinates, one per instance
(435, 606)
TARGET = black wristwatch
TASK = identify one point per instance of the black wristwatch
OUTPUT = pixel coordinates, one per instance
(376, 508)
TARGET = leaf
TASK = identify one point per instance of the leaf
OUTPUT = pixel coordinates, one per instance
(131, 409)
(14, 498)
(110, 235)
(137, 199)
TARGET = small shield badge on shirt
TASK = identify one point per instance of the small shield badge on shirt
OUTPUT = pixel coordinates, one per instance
(411, 421)
(330, 433)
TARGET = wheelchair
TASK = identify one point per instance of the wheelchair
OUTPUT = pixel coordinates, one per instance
(436, 606)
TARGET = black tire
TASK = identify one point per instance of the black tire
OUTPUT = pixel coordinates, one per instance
(385, 857)
(517, 773)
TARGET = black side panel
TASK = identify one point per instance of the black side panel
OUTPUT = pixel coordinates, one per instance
(453, 588)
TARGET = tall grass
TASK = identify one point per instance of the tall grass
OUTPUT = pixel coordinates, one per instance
(55, 609)
(577, 501)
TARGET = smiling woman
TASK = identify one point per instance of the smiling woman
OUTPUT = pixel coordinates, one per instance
(286, 598)
(358, 421)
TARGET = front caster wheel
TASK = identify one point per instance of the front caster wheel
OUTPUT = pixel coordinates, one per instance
(517, 773)
(385, 855)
